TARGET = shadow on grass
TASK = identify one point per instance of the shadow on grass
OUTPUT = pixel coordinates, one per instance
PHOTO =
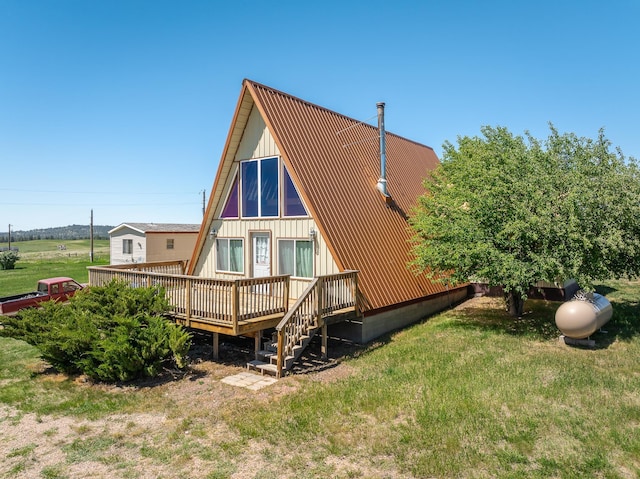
(605, 290)
(538, 322)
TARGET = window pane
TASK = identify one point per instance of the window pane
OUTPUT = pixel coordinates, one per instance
(304, 259)
(249, 188)
(231, 208)
(222, 255)
(286, 257)
(292, 204)
(236, 256)
(269, 187)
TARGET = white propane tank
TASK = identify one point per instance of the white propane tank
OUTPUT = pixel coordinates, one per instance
(583, 315)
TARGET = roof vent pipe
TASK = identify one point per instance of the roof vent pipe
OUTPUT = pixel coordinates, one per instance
(382, 182)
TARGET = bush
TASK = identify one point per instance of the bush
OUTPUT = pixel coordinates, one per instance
(110, 333)
(8, 259)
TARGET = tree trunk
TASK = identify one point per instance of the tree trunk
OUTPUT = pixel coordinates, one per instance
(515, 304)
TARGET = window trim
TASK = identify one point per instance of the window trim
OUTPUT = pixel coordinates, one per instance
(295, 241)
(241, 195)
(284, 173)
(238, 182)
(228, 240)
(235, 183)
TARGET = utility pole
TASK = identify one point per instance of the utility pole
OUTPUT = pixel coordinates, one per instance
(9, 237)
(203, 192)
(91, 237)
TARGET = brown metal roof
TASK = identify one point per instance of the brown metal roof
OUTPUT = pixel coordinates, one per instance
(335, 162)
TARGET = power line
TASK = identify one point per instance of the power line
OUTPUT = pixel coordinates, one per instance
(48, 203)
(166, 193)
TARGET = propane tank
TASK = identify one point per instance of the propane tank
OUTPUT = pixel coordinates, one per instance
(583, 315)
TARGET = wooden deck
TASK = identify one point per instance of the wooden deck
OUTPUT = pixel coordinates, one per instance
(246, 306)
(232, 307)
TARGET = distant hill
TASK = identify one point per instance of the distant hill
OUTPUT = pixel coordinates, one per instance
(71, 232)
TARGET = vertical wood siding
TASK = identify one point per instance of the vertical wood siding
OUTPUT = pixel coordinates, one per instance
(257, 142)
(323, 262)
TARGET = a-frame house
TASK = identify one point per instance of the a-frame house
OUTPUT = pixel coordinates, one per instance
(298, 192)
(305, 231)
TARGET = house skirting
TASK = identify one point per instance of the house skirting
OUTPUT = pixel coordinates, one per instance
(375, 324)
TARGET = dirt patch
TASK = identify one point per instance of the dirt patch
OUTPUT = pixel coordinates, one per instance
(186, 436)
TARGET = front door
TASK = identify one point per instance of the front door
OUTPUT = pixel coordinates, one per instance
(261, 255)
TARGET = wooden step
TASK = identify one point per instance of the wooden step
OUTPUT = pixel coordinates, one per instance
(271, 369)
(270, 346)
(253, 365)
(257, 365)
(264, 354)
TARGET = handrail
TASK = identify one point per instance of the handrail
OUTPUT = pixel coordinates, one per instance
(323, 296)
(226, 302)
(171, 267)
(296, 322)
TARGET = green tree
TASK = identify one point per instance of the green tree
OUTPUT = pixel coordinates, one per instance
(513, 210)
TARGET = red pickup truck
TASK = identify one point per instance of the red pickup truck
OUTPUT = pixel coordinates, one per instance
(58, 289)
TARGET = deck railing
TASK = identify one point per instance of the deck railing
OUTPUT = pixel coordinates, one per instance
(167, 267)
(324, 296)
(222, 302)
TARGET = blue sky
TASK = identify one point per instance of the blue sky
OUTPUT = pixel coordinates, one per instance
(123, 107)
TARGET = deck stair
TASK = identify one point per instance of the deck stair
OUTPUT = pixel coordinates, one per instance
(326, 300)
(267, 358)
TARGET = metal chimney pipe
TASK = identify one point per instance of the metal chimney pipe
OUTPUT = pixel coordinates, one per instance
(382, 181)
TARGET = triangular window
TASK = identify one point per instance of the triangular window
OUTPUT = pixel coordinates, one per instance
(231, 208)
(257, 194)
(292, 203)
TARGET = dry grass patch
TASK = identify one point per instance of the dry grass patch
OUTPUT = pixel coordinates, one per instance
(468, 393)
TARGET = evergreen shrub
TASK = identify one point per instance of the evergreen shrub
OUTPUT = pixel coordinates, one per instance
(8, 259)
(110, 333)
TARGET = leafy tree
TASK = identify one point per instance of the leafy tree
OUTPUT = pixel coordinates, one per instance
(514, 210)
(8, 259)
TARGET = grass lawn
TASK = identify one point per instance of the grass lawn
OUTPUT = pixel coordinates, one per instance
(468, 393)
(43, 259)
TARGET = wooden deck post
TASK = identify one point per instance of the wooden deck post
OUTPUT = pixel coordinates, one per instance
(354, 293)
(324, 348)
(280, 363)
(257, 339)
(319, 302)
(285, 300)
(216, 349)
(235, 297)
(187, 302)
